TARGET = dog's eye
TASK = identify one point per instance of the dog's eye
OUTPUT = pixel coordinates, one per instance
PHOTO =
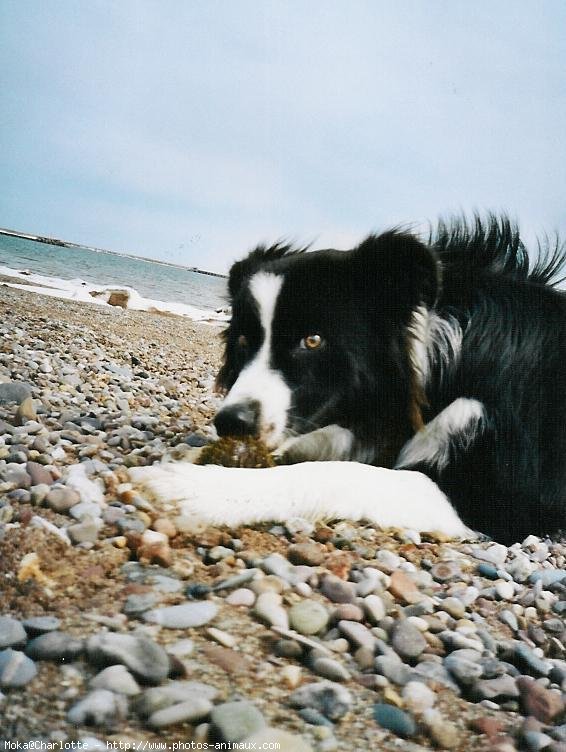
(312, 342)
(242, 341)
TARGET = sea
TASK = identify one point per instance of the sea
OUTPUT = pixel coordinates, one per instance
(80, 273)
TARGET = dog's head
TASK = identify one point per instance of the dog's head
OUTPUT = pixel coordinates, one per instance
(321, 337)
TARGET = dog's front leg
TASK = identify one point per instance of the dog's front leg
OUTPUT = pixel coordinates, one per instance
(332, 442)
(316, 491)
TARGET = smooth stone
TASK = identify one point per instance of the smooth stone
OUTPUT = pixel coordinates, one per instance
(138, 603)
(189, 711)
(446, 571)
(315, 718)
(234, 721)
(544, 704)
(443, 733)
(547, 577)
(85, 509)
(329, 698)
(62, 498)
(417, 696)
(37, 625)
(85, 531)
(116, 679)
(357, 633)
(464, 666)
(39, 475)
(393, 668)
(281, 567)
(407, 640)
(14, 391)
(394, 719)
(529, 662)
(505, 590)
(282, 741)
(147, 660)
(181, 648)
(502, 688)
(494, 554)
(98, 708)
(183, 616)
(454, 607)
(157, 698)
(241, 597)
(311, 554)
(374, 608)
(404, 589)
(487, 570)
(269, 609)
(12, 633)
(308, 617)
(16, 669)
(337, 590)
(330, 669)
(55, 646)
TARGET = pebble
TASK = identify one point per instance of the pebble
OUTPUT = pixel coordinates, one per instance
(116, 679)
(189, 711)
(443, 733)
(234, 721)
(337, 590)
(14, 391)
(308, 617)
(464, 665)
(241, 597)
(12, 633)
(37, 625)
(374, 608)
(147, 660)
(407, 640)
(544, 704)
(404, 588)
(395, 720)
(311, 554)
(269, 609)
(16, 669)
(99, 708)
(446, 571)
(418, 697)
(55, 646)
(330, 669)
(62, 498)
(328, 698)
(502, 688)
(183, 616)
(157, 698)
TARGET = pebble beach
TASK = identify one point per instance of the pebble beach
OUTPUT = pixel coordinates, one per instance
(120, 628)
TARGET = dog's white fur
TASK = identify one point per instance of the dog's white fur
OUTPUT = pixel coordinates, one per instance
(315, 491)
(258, 381)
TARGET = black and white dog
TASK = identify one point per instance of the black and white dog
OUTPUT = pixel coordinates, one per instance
(415, 384)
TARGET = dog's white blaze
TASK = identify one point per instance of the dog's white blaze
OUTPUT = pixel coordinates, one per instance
(258, 381)
(315, 491)
(457, 425)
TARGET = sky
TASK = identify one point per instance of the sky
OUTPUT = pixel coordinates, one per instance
(191, 130)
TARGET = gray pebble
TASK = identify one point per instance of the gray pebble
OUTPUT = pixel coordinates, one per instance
(357, 633)
(501, 688)
(85, 531)
(464, 665)
(328, 668)
(189, 711)
(407, 640)
(12, 633)
(337, 590)
(157, 698)
(314, 717)
(85, 509)
(62, 498)
(136, 604)
(37, 625)
(234, 721)
(55, 646)
(529, 662)
(547, 577)
(329, 698)
(16, 669)
(147, 660)
(116, 679)
(269, 609)
(183, 616)
(393, 668)
(14, 391)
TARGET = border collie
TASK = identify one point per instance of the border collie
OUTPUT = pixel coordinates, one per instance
(405, 383)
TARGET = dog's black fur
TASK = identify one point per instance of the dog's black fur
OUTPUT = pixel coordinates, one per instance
(499, 338)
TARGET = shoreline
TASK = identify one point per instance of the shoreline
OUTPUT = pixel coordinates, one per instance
(68, 244)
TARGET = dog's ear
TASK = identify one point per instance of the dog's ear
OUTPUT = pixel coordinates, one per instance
(400, 267)
(255, 261)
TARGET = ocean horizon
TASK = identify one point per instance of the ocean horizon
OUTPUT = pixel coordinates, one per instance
(78, 271)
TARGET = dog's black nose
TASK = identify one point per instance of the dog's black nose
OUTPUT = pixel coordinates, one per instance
(240, 419)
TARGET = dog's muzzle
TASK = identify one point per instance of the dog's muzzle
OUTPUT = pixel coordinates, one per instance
(239, 419)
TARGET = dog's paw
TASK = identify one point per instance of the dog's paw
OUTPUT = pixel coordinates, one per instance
(329, 443)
